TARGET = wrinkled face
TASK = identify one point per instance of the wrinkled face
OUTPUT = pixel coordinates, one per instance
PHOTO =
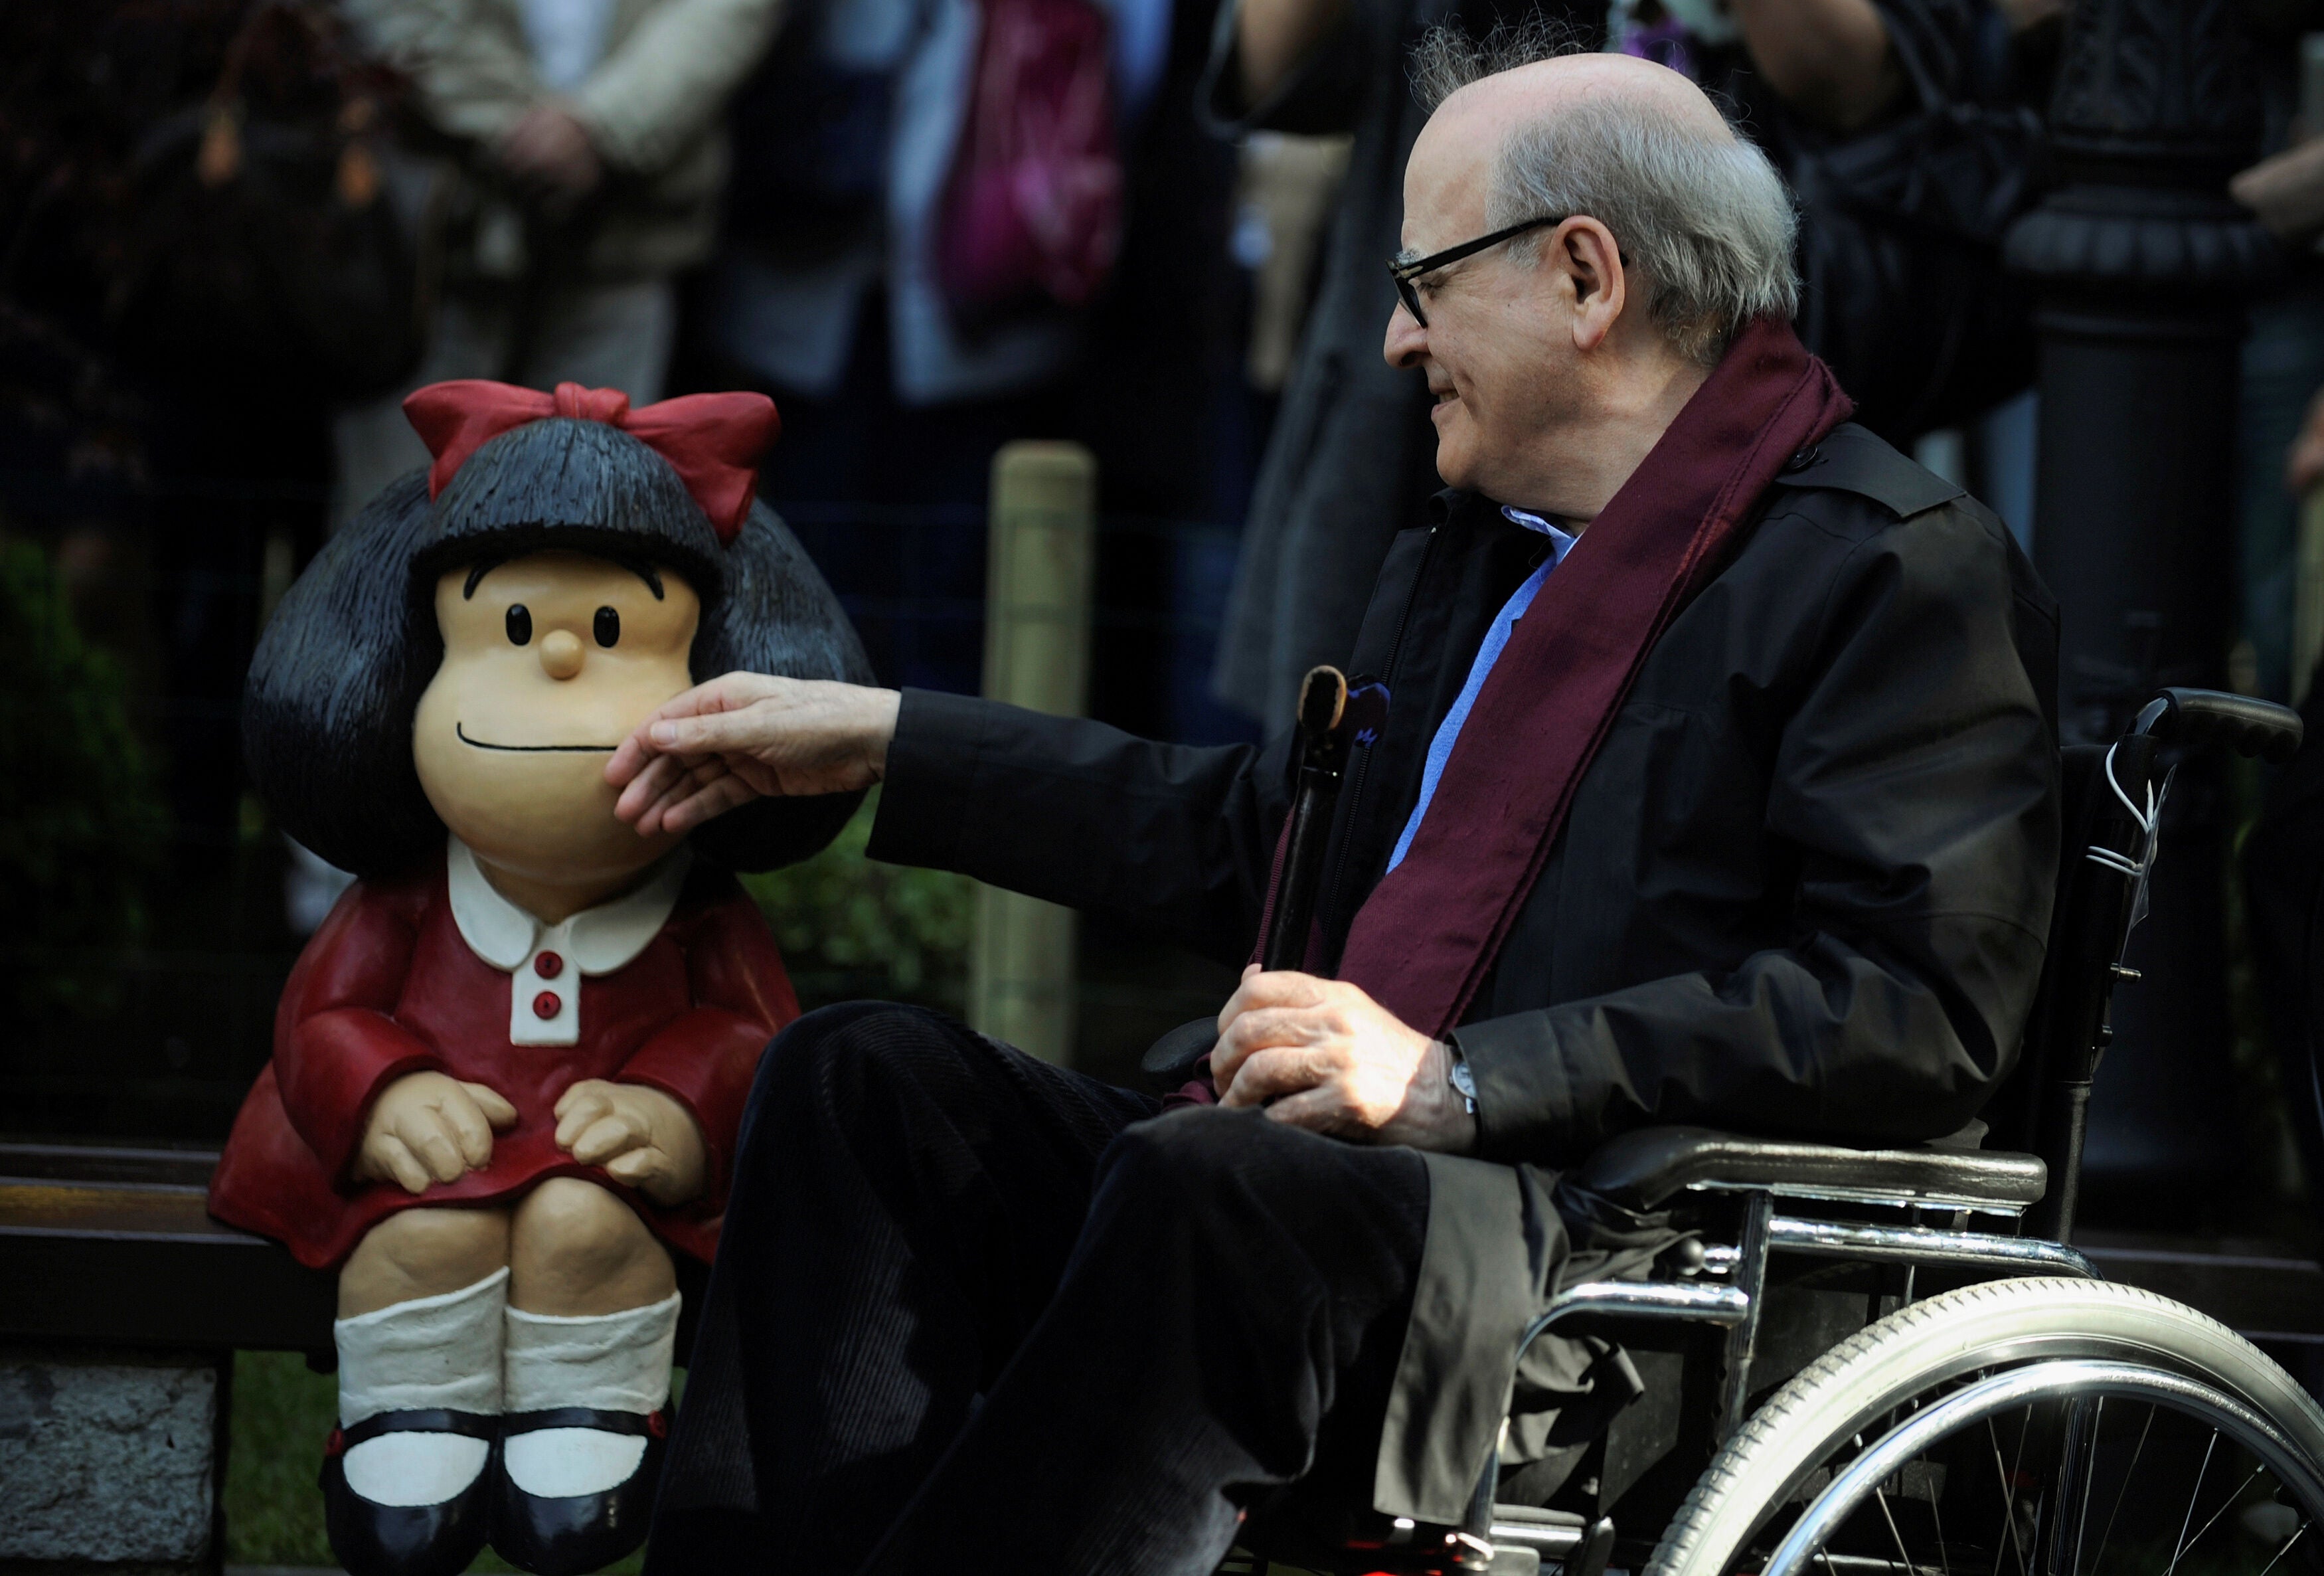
(1497, 350)
(550, 662)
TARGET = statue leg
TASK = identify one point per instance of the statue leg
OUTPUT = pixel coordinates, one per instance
(422, 1320)
(576, 1250)
(422, 1253)
(591, 1328)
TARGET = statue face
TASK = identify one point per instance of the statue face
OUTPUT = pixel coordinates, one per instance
(550, 660)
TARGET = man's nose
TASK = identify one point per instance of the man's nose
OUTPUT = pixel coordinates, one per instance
(1407, 340)
(560, 654)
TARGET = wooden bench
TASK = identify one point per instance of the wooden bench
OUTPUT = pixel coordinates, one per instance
(115, 1246)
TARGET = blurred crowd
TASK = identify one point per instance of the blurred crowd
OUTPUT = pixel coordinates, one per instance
(928, 226)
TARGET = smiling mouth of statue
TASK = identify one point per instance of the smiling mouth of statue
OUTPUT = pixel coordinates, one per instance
(533, 749)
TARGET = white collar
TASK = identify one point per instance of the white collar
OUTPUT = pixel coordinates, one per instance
(598, 940)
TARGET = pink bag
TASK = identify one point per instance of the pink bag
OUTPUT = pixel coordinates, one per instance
(1032, 212)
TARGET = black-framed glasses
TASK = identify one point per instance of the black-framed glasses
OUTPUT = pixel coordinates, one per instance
(1404, 274)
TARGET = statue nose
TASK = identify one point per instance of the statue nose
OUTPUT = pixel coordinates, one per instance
(560, 654)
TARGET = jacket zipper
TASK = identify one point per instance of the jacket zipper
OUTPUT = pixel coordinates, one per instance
(1361, 772)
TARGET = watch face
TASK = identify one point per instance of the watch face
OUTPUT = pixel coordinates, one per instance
(1464, 1081)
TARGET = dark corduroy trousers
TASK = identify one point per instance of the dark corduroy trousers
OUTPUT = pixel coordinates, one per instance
(972, 1312)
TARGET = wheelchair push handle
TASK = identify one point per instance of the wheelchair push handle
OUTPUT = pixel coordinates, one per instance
(2194, 717)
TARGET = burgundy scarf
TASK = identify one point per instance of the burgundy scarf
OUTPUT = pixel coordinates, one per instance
(1425, 937)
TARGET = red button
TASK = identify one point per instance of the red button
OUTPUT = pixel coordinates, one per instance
(549, 965)
(544, 1005)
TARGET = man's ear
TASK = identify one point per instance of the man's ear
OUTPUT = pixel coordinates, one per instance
(1584, 252)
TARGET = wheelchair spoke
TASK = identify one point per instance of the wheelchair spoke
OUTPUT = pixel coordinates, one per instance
(1944, 1559)
(2089, 1472)
(1889, 1516)
(2191, 1497)
(2129, 1475)
(2284, 1551)
(2008, 1477)
(2225, 1505)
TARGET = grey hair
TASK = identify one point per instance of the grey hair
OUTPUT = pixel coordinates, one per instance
(1704, 221)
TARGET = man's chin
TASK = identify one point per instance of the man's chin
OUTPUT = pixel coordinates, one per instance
(1455, 464)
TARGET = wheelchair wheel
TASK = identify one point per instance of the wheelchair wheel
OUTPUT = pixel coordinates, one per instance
(2033, 1427)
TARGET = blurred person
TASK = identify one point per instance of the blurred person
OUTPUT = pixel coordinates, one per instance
(587, 156)
(831, 294)
(1874, 111)
(2284, 351)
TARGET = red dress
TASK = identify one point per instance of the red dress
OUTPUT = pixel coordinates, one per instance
(393, 984)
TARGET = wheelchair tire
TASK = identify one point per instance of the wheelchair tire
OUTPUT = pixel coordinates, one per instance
(2078, 1331)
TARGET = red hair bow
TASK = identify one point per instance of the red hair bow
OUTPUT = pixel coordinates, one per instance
(713, 441)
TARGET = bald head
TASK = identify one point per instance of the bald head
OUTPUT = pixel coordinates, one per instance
(1494, 105)
(1523, 127)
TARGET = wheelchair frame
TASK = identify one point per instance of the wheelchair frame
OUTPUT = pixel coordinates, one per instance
(1826, 1192)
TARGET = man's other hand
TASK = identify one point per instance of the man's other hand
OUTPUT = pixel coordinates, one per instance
(1322, 1055)
(747, 736)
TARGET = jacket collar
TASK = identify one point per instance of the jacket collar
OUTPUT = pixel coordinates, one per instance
(597, 940)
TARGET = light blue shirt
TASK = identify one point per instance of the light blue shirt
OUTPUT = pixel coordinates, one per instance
(1440, 747)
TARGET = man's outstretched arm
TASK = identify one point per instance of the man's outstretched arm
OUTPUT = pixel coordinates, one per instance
(1168, 839)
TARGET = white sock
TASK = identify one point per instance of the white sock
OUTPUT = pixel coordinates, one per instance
(615, 1362)
(431, 1352)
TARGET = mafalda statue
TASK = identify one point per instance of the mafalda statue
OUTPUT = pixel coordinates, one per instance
(509, 1068)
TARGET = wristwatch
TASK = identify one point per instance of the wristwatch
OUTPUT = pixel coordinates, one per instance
(1464, 1081)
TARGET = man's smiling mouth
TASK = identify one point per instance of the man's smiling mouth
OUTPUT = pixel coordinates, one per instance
(535, 749)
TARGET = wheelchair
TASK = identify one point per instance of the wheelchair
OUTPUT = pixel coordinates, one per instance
(1892, 1360)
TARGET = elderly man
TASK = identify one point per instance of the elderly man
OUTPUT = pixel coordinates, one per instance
(1717, 786)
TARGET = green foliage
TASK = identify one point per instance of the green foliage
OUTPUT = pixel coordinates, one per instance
(82, 818)
(283, 1413)
(850, 928)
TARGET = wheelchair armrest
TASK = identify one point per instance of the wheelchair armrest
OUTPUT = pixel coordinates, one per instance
(1641, 1168)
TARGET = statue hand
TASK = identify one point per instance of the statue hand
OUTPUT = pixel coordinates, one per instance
(641, 1136)
(428, 1127)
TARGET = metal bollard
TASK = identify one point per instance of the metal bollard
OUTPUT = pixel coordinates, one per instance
(1036, 636)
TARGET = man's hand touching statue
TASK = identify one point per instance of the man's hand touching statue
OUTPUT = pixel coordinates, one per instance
(745, 736)
(1323, 1056)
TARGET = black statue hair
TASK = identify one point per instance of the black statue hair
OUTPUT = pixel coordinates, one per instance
(326, 712)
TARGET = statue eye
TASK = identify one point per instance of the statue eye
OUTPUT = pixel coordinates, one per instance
(519, 625)
(609, 626)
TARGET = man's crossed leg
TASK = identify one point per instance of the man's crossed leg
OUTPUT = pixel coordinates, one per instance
(972, 1310)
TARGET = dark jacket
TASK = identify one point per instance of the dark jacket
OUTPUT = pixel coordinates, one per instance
(1803, 889)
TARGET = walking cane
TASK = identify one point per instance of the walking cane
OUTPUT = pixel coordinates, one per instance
(1331, 718)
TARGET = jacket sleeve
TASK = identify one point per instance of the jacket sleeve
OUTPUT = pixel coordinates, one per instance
(1915, 783)
(669, 80)
(705, 1059)
(335, 1046)
(1166, 839)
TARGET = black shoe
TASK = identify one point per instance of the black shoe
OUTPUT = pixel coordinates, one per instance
(573, 1533)
(442, 1539)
